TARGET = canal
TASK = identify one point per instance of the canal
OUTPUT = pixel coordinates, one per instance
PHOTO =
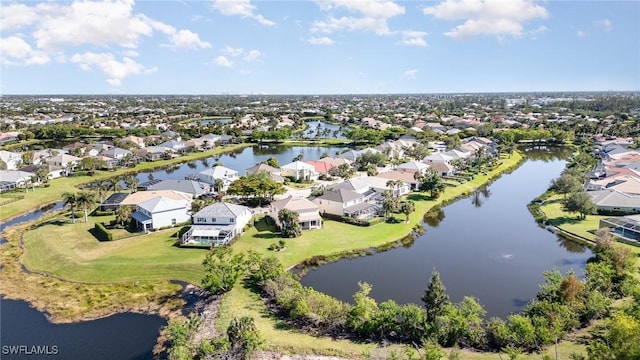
(487, 246)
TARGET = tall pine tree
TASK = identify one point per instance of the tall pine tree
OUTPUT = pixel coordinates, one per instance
(435, 297)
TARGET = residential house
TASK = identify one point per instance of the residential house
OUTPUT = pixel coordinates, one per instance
(334, 161)
(160, 212)
(66, 161)
(174, 145)
(350, 155)
(13, 179)
(142, 196)
(54, 171)
(299, 170)
(217, 224)
(225, 174)
(152, 153)
(437, 157)
(11, 159)
(195, 188)
(409, 180)
(443, 169)
(321, 167)
(413, 167)
(612, 201)
(274, 172)
(343, 202)
(308, 215)
(116, 153)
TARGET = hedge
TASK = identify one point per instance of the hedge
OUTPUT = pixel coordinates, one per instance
(345, 219)
(102, 233)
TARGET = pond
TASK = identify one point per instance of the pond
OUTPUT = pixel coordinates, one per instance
(243, 159)
(487, 246)
(321, 130)
(120, 336)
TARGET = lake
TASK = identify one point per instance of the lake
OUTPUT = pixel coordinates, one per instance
(120, 336)
(485, 246)
(243, 159)
(319, 129)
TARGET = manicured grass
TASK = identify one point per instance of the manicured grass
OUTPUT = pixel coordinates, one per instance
(586, 228)
(45, 195)
(69, 251)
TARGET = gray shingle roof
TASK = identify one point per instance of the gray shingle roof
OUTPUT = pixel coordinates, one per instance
(221, 209)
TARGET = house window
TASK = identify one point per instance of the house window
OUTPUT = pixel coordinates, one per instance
(232, 220)
(173, 221)
(213, 220)
(201, 220)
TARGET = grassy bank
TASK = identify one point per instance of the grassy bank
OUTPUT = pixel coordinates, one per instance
(45, 195)
(69, 251)
(67, 301)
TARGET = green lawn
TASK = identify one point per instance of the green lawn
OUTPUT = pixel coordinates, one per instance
(71, 252)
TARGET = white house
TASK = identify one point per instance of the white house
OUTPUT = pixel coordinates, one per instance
(343, 202)
(12, 179)
(225, 174)
(308, 212)
(160, 212)
(64, 160)
(299, 170)
(11, 159)
(217, 224)
(437, 157)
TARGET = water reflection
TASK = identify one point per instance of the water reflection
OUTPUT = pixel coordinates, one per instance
(479, 195)
(434, 217)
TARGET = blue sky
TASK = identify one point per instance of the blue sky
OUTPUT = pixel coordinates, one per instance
(318, 47)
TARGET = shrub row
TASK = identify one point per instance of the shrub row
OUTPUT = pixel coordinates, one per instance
(345, 219)
(102, 233)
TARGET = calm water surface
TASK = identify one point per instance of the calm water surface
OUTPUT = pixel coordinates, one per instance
(243, 159)
(485, 246)
(121, 336)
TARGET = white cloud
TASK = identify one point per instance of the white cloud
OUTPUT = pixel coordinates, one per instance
(100, 23)
(372, 15)
(223, 61)
(115, 70)
(15, 16)
(581, 33)
(605, 23)
(321, 41)
(411, 74)
(253, 55)
(368, 8)
(231, 51)
(487, 17)
(242, 8)
(187, 39)
(16, 51)
(413, 38)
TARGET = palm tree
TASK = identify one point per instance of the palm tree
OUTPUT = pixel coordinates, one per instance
(218, 185)
(123, 213)
(132, 182)
(70, 200)
(43, 174)
(407, 207)
(85, 199)
(115, 184)
(395, 186)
